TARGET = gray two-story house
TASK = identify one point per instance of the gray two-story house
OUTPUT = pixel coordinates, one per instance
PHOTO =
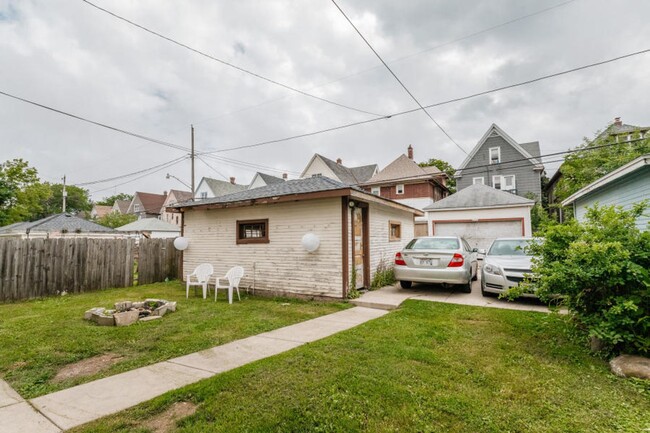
(500, 162)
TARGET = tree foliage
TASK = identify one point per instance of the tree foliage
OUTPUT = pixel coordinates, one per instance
(77, 200)
(601, 270)
(21, 193)
(446, 168)
(109, 201)
(115, 219)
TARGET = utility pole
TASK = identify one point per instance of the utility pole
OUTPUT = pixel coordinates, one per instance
(64, 193)
(192, 155)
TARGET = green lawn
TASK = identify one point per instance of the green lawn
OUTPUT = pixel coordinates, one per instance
(427, 367)
(39, 337)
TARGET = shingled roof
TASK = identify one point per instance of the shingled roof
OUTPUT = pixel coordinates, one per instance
(151, 203)
(479, 196)
(222, 187)
(63, 222)
(403, 168)
(269, 179)
(350, 175)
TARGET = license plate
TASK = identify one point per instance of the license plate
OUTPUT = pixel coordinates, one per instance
(428, 262)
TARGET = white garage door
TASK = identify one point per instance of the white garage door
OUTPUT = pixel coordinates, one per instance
(479, 234)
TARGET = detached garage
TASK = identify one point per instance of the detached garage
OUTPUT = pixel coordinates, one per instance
(480, 214)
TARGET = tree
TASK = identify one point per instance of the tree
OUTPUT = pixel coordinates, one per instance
(446, 168)
(109, 201)
(115, 219)
(77, 200)
(21, 192)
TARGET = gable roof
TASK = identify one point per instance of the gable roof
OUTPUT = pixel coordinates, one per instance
(179, 195)
(222, 187)
(122, 205)
(403, 168)
(57, 223)
(151, 203)
(479, 196)
(347, 175)
(618, 128)
(492, 131)
(102, 210)
(149, 225)
(630, 167)
(293, 188)
(269, 179)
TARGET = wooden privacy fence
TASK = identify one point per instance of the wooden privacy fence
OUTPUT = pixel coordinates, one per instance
(31, 268)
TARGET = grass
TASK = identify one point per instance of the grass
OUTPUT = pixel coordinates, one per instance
(39, 337)
(427, 367)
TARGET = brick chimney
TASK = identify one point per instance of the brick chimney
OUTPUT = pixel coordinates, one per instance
(285, 176)
(164, 192)
(410, 152)
(339, 161)
(617, 121)
(232, 180)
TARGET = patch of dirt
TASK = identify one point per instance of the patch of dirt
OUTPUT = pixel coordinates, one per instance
(166, 422)
(86, 367)
(18, 365)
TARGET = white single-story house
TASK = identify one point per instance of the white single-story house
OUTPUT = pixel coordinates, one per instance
(151, 228)
(480, 214)
(625, 186)
(270, 230)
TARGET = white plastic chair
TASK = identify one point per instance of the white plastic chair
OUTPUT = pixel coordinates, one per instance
(202, 274)
(234, 276)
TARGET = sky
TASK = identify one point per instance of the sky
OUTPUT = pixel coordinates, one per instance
(75, 58)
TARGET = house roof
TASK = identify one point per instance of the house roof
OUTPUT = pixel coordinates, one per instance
(618, 127)
(347, 175)
(402, 168)
(151, 203)
(296, 187)
(122, 205)
(479, 196)
(521, 148)
(269, 179)
(222, 187)
(180, 196)
(101, 210)
(630, 167)
(149, 225)
(57, 223)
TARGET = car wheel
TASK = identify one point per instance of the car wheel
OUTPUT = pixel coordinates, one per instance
(405, 284)
(466, 288)
(484, 293)
(475, 277)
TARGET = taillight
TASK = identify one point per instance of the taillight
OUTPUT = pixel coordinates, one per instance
(456, 261)
(399, 260)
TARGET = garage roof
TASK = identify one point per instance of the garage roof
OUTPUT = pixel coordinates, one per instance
(479, 196)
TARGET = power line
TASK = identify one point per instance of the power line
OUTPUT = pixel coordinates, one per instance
(397, 78)
(110, 179)
(437, 104)
(103, 125)
(223, 62)
(140, 177)
(212, 168)
(252, 166)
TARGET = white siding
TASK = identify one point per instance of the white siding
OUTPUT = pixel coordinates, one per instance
(319, 167)
(203, 188)
(381, 247)
(257, 182)
(282, 265)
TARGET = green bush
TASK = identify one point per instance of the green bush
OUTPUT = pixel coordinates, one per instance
(384, 276)
(600, 270)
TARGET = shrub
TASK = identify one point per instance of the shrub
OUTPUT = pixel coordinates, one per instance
(384, 276)
(600, 269)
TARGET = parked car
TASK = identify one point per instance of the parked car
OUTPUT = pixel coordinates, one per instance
(505, 265)
(437, 259)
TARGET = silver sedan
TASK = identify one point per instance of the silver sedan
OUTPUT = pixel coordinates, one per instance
(505, 265)
(437, 259)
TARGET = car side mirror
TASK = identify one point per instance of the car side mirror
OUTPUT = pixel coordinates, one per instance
(475, 250)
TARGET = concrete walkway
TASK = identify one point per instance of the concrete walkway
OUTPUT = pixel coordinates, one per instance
(71, 407)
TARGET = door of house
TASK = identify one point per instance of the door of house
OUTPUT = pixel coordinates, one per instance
(360, 247)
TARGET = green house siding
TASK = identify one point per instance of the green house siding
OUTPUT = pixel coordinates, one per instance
(630, 189)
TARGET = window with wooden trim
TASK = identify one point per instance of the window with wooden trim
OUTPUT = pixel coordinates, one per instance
(495, 155)
(394, 230)
(399, 189)
(253, 232)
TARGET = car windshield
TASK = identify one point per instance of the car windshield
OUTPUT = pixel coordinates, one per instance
(433, 244)
(509, 247)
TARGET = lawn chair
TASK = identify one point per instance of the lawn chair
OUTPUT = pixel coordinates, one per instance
(234, 276)
(202, 275)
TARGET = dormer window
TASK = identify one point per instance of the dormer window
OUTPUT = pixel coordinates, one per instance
(495, 155)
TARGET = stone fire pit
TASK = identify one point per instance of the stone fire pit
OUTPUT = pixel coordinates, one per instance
(127, 312)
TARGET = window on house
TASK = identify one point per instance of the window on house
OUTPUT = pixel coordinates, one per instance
(478, 180)
(496, 182)
(136, 207)
(375, 190)
(495, 155)
(204, 194)
(505, 183)
(253, 232)
(399, 189)
(394, 230)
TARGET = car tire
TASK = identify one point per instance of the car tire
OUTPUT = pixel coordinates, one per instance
(405, 284)
(466, 288)
(475, 277)
(484, 293)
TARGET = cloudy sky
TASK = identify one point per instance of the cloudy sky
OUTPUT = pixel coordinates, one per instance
(68, 55)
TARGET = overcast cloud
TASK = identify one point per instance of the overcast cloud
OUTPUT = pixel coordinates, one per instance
(73, 57)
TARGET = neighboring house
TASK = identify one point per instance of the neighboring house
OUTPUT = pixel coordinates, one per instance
(210, 188)
(174, 197)
(63, 225)
(147, 205)
(99, 211)
(263, 179)
(404, 181)
(262, 229)
(480, 214)
(121, 206)
(625, 186)
(500, 162)
(151, 228)
(318, 164)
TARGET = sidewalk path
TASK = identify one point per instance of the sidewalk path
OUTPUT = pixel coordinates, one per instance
(71, 407)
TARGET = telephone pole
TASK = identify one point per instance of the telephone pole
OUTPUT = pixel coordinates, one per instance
(192, 156)
(64, 193)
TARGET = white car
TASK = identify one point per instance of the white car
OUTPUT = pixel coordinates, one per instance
(506, 264)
